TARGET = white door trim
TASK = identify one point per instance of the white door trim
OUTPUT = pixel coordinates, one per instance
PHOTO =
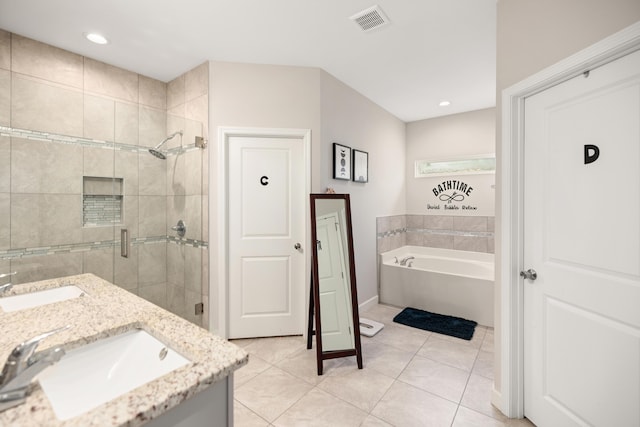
(511, 244)
(219, 291)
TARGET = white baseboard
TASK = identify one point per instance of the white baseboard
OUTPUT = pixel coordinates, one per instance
(496, 398)
(368, 304)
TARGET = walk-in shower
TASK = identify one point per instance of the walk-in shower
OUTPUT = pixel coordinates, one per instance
(155, 150)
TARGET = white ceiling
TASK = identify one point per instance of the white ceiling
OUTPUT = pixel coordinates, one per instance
(432, 50)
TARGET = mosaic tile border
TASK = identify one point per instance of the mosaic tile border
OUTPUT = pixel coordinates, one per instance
(438, 232)
(92, 246)
(87, 142)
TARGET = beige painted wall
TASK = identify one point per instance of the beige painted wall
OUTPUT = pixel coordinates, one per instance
(272, 96)
(532, 36)
(353, 120)
(448, 137)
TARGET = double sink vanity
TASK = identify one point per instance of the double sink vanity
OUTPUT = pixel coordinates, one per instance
(105, 357)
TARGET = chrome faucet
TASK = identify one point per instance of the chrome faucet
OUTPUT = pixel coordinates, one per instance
(403, 261)
(21, 367)
(4, 288)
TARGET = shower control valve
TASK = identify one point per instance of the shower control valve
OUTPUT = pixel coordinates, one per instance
(180, 228)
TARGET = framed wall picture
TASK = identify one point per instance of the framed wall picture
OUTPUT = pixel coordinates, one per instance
(341, 162)
(360, 166)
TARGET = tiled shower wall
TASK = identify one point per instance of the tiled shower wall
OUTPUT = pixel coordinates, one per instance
(117, 115)
(463, 233)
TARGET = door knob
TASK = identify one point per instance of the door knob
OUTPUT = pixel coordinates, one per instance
(297, 246)
(530, 274)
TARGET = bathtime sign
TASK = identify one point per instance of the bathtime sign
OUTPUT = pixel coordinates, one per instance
(452, 195)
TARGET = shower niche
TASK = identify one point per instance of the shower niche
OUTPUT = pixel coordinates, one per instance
(102, 200)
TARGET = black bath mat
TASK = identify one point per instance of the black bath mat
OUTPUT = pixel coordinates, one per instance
(447, 325)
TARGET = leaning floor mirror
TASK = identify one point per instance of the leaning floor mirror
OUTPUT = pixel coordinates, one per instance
(333, 297)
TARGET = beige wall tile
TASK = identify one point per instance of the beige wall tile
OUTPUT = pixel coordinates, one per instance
(45, 167)
(5, 164)
(127, 121)
(415, 221)
(126, 270)
(193, 216)
(156, 294)
(176, 172)
(175, 124)
(398, 240)
(191, 299)
(175, 266)
(176, 210)
(206, 321)
(99, 262)
(383, 244)
(491, 245)
(470, 223)
(152, 127)
(176, 300)
(438, 241)
(152, 176)
(398, 222)
(198, 109)
(45, 220)
(470, 243)
(31, 269)
(99, 118)
(153, 93)
(193, 172)
(126, 167)
(438, 222)
(176, 92)
(41, 60)
(43, 107)
(98, 234)
(491, 224)
(153, 218)
(5, 98)
(196, 82)
(5, 50)
(5, 267)
(5, 221)
(152, 264)
(415, 239)
(205, 220)
(108, 80)
(131, 218)
(98, 162)
(193, 269)
(383, 224)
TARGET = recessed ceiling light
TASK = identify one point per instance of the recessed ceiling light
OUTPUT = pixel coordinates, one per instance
(445, 103)
(96, 38)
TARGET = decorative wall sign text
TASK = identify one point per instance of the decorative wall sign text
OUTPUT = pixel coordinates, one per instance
(591, 153)
(264, 180)
(451, 191)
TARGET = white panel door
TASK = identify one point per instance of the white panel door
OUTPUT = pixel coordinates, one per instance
(267, 197)
(582, 236)
(335, 301)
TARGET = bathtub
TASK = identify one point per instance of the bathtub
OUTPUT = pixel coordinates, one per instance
(445, 281)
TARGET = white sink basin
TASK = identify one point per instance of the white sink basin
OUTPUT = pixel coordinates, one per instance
(96, 373)
(35, 299)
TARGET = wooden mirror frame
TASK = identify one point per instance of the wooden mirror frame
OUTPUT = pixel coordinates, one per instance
(314, 297)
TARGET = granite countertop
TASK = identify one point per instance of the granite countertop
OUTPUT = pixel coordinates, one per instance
(108, 310)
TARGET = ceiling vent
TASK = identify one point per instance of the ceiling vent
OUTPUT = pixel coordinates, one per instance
(370, 19)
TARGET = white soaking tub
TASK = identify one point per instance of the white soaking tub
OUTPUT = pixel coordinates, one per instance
(444, 281)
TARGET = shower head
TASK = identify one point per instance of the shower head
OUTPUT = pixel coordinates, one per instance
(155, 150)
(158, 154)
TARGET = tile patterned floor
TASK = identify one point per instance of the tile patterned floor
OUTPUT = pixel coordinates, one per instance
(410, 378)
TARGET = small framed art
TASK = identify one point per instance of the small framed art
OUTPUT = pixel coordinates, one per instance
(360, 166)
(341, 162)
